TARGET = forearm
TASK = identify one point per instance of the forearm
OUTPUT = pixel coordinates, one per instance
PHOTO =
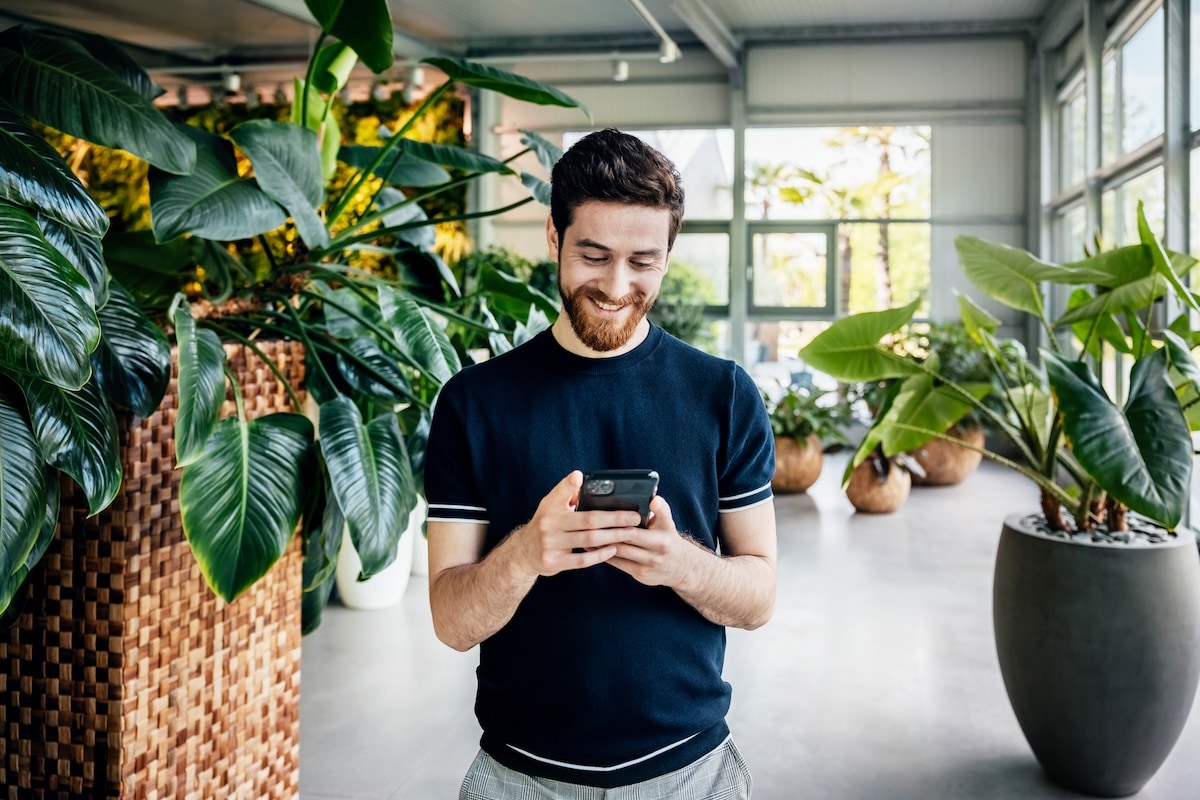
(470, 602)
(735, 591)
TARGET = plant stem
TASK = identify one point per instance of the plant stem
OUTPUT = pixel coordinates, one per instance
(341, 243)
(224, 331)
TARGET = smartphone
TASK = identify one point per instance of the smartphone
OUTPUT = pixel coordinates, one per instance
(619, 490)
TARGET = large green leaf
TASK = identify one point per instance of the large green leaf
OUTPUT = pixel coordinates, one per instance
(518, 87)
(1013, 276)
(372, 372)
(212, 202)
(420, 231)
(201, 386)
(849, 349)
(976, 319)
(512, 296)
(1132, 296)
(334, 63)
(240, 500)
(287, 164)
(400, 168)
(418, 334)
(454, 157)
(539, 188)
(1180, 359)
(77, 432)
(547, 152)
(133, 362)
(1162, 260)
(48, 326)
(1098, 328)
(365, 25)
(922, 410)
(83, 251)
(151, 272)
(33, 175)
(371, 477)
(22, 484)
(1142, 454)
(117, 60)
(56, 81)
(11, 584)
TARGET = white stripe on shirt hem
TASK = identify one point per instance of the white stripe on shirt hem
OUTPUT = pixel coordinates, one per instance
(589, 768)
(457, 519)
(743, 508)
(458, 508)
(744, 494)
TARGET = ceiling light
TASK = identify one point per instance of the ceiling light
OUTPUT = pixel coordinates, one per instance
(620, 70)
(668, 51)
(231, 82)
(380, 92)
(280, 95)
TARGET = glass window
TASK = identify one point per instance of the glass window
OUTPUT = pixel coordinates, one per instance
(773, 350)
(1194, 195)
(864, 172)
(704, 159)
(1108, 104)
(1194, 60)
(1119, 208)
(1073, 126)
(1142, 94)
(1071, 234)
(706, 256)
(888, 265)
(791, 270)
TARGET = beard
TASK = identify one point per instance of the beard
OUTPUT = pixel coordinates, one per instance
(603, 335)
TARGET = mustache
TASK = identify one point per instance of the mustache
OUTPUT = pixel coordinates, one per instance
(592, 293)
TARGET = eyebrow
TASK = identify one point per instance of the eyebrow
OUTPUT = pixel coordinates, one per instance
(654, 251)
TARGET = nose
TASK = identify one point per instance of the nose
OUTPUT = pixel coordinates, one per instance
(617, 280)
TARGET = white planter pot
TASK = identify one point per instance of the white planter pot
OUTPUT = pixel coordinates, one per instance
(420, 566)
(385, 589)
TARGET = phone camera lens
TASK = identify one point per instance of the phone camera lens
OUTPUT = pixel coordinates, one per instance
(599, 487)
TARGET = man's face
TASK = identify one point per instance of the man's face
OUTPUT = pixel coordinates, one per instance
(611, 264)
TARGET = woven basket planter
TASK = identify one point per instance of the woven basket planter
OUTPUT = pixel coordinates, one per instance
(125, 676)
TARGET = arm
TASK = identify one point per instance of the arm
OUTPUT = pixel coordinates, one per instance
(736, 589)
(472, 596)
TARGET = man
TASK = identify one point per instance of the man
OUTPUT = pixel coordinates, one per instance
(602, 643)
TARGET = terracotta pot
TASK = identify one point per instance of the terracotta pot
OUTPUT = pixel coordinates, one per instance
(867, 493)
(946, 463)
(797, 463)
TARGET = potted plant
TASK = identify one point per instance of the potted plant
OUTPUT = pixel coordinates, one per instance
(1096, 598)
(246, 266)
(805, 422)
(962, 360)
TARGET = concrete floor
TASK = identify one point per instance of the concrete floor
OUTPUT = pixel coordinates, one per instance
(876, 680)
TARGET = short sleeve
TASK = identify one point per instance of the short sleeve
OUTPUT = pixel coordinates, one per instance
(745, 477)
(450, 486)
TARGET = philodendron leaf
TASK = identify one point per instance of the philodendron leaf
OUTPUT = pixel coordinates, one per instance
(418, 230)
(133, 362)
(334, 63)
(117, 60)
(240, 500)
(921, 411)
(34, 175)
(1142, 454)
(975, 318)
(366, 26)
(398, 167)
(287, 164)
(1162, 261)
(1009, 275)
(22, 484)
(48, 325)
(9, 585)
(77, 432)
(454, 157)
(418, 335)
(371, 477)
(58, 82)
(548, 153)
(371, 371)
(84, 251)
(517, 87)
(1180, 359)
(201, 385)
(212, 201)
(849, 349)
(539, 188)
(1100, 327)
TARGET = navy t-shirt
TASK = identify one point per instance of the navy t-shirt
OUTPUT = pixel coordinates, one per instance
(596, 673)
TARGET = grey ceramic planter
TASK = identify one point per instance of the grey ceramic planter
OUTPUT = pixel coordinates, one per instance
(1099, 646)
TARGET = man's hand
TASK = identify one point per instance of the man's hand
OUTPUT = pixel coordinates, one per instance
(657, 555)
(559, 538)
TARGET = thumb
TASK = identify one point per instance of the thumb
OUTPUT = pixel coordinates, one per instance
(566, 492)
(661, 513)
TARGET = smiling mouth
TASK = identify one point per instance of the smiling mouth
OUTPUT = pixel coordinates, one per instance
(603, 306)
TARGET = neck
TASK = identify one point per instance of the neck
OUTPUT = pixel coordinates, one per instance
(564, 334)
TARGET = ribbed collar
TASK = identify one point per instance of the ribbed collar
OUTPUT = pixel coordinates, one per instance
(559, 358)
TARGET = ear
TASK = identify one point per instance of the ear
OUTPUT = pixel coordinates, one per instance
(552, 239)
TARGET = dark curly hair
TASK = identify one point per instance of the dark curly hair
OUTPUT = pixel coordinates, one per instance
(614, 167)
